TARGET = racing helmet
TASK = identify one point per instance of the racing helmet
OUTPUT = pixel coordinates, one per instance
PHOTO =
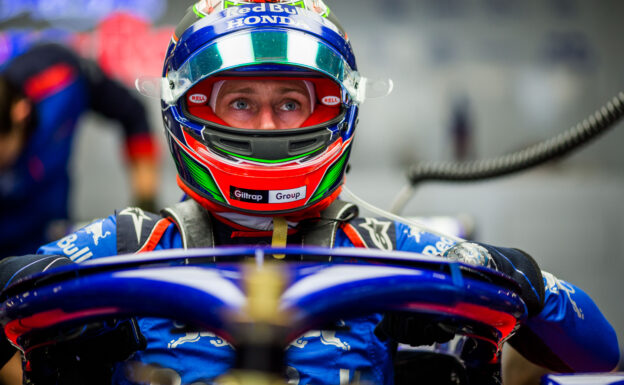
(260, 171)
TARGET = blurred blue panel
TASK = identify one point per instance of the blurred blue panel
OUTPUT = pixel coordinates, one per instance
(12, 8)
(85, 11)
(571, 48)
(14, 42)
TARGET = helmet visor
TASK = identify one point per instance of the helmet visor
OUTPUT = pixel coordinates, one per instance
(264, 101)
(249, 48)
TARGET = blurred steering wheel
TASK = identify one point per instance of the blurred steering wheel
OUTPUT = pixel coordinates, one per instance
(259, 304)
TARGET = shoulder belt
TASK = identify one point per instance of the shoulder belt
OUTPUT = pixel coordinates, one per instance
(134, 227)
(323, 232)
(194, 223)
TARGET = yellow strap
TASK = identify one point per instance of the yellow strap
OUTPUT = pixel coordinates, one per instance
(280, 232)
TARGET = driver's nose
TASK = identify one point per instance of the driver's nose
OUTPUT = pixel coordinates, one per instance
(267, 118)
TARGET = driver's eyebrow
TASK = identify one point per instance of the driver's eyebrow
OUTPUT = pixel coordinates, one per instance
(245, 90)
(251, 90)
(297, 90)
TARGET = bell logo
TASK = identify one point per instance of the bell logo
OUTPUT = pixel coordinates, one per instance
(198, 98)
(330, 100)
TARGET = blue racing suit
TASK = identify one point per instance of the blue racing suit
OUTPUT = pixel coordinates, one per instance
(61, 87)
(559, 334)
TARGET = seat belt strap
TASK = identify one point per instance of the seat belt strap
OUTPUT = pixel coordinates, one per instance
(280, 233)
(194, 223)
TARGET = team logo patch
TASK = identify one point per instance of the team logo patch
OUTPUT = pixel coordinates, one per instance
(251, 196)
(265, 196)
(378, 232)
(283, 196)
(374, 233)
(96, 231)
(198, 98)
(70, 248)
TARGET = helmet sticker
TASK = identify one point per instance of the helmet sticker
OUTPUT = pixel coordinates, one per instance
(198, 98)
(266, 196)
(283, 196)
(233, 3)
(246, 20)
(207, 7)
(331, 100)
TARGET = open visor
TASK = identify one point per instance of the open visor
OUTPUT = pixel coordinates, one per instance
(248, 48)
(323, 97)
(315, 133)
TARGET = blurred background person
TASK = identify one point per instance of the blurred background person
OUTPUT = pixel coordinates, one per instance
(461, 128)
(43, 93)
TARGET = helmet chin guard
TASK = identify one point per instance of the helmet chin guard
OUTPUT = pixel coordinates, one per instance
(263, 172)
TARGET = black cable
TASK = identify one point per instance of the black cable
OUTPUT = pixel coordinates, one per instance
(558, 146)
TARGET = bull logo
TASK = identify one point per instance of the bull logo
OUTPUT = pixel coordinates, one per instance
(191, 337)
(557, 286)
(96, 231)
(327, 337)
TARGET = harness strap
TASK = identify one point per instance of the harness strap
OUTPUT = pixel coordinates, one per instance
(194, 223)
(280, 233)
(196, 226)
(323, 232)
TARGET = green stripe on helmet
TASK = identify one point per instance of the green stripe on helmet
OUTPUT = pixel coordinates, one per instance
(298, 4)
(330, 178)
(227, 4)
(202, 177)
(267, 160)
(197, 13)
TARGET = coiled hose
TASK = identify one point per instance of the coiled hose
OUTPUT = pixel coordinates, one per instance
(556, 147)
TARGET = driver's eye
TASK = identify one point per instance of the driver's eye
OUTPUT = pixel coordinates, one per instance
(240, 104)
(290, 106)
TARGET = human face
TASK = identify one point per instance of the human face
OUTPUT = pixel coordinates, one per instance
(263, 104)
